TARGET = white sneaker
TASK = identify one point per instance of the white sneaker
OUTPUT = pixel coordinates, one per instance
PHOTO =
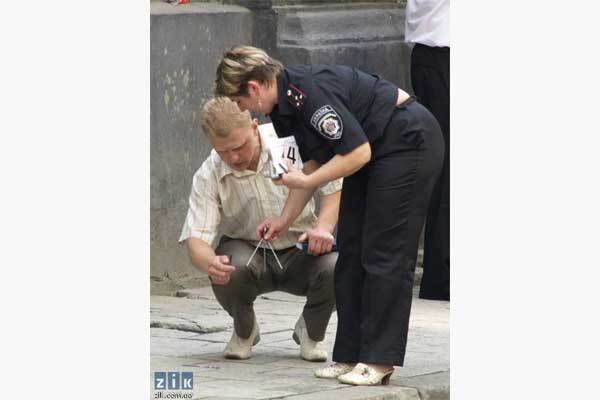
(309, 349)
(334, 370)
(241, 349)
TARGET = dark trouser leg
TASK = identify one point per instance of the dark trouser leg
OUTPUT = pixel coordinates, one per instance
(246, 283)
(399, 189)
(348, 270)
(435, 284)
(430, 72)
(311, 276)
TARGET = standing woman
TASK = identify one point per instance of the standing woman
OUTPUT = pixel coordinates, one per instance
(389, 148)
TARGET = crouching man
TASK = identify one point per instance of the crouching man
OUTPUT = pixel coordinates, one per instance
(230, 197)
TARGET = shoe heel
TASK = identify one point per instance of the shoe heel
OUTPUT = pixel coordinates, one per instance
(386, 379)
(256, 339)
(296, 339)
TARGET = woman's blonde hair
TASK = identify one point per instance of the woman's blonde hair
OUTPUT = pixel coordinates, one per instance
(221, 115)
(241, 64)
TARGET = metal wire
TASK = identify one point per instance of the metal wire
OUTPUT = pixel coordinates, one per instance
(264, 254)
(254, 252)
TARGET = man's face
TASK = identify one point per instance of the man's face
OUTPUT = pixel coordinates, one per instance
(241, 149)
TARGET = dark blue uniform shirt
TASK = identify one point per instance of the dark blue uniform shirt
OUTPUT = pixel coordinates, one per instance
(331, 109)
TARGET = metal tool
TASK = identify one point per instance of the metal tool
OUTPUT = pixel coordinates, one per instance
(254, 252)
(283, 168)
(276, 258)
(264, 251)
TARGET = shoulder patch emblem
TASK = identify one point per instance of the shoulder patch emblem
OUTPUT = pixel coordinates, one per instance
(295, 96)
(328, 122)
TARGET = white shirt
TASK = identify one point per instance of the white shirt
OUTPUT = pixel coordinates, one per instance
(233, 203)
(428, 22)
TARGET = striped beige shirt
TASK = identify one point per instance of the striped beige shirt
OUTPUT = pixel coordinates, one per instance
(233, 203)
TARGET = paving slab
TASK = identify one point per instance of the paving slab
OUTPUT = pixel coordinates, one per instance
(190, 330)
(200, 315)
(362, 393)
(431, 386)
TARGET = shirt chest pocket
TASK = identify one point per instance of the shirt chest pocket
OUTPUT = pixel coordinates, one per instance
(237, 198)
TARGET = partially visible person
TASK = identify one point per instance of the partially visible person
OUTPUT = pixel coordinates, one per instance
(389, 148)
(230, 196)
(428, 27)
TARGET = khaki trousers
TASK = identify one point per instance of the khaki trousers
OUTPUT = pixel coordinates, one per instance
(302, 275)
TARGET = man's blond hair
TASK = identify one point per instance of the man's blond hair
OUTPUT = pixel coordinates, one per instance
(241, 64)
(221, 115)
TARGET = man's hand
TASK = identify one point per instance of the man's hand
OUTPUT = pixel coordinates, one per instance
(320, 241)
(219, 270)
(271, 229)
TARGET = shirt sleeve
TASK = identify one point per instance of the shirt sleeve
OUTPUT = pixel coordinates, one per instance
(204, 212)
(331, 187)
(331, 120)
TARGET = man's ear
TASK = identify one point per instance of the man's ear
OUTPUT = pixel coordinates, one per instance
(254, 123)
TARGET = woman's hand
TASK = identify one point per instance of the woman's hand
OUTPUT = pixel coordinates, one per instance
(294, 178)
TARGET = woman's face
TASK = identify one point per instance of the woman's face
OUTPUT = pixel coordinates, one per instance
(260, 98)
(248, 103)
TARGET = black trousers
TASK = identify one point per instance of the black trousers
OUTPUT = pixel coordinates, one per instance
(430, 76)
(382, 212)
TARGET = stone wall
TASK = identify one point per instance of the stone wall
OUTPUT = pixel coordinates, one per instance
(186, 43)
(369, 36)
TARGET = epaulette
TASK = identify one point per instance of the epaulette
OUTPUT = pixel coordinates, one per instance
(295, 96)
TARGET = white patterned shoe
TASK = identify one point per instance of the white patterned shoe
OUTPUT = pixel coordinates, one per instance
(334, 370)
(241, 349)
(363, 375)
(309, 349)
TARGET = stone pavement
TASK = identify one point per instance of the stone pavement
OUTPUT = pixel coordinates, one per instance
(190, 331)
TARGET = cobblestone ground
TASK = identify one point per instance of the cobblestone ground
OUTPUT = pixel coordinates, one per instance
(189, 333)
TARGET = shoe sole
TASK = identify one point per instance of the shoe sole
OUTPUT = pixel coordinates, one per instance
(235, 357)
(384, 381)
